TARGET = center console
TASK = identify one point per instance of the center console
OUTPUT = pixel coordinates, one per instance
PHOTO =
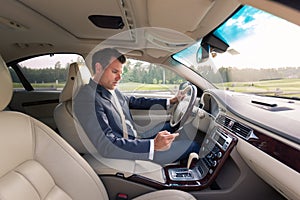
(215, 149)
(212, 154)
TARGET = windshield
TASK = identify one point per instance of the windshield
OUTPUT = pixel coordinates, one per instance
(262, 57)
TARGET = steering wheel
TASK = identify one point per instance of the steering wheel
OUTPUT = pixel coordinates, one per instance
(184, 107)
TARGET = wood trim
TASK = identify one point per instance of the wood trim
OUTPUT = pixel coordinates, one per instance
(280, 151)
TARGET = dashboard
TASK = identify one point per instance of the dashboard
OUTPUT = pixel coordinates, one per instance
(267, 129)
(270, 124)
(277, 115)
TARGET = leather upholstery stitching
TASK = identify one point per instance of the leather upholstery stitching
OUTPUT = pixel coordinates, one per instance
(18, 172)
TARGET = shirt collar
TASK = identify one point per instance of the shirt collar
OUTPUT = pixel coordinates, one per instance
(100, 89)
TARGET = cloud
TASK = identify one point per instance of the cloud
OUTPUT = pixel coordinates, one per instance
(262, 40)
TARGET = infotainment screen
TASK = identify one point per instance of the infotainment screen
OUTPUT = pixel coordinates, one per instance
(219, 139)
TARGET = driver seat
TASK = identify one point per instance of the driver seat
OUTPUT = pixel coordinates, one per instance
(36, 163)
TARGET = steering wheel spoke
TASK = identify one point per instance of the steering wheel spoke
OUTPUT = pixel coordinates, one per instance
(184, 107)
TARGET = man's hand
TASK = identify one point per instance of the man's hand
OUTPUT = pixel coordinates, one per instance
(163, 140)
(178, 97)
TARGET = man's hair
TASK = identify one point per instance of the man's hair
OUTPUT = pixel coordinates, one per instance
(104, 56)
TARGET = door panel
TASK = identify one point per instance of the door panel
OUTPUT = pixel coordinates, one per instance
(38, 81)
(38, 104)
(147, 119)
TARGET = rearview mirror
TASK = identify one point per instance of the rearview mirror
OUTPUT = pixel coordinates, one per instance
(203, 53)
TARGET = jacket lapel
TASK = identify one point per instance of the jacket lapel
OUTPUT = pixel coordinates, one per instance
(105, 94)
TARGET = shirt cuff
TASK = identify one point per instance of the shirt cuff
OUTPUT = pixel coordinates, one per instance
(151, 152)
(168, 104)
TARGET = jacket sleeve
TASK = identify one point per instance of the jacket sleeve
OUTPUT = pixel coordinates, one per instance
(146, 103)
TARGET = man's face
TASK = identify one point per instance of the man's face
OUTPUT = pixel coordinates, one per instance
(112, 74)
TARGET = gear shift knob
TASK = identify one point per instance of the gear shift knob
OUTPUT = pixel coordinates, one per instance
(191, 157)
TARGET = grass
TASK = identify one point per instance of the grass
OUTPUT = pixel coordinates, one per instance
(282, 87)
(128, 87)
(41, 85)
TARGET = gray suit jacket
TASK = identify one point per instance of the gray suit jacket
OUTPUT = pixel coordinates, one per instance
(99, 117)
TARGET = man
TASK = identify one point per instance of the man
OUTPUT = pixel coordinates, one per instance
(104, 113)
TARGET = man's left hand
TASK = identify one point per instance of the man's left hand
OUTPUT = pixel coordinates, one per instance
(178, 97)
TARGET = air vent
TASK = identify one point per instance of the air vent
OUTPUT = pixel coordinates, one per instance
(236, 127)
(8, 24)
(33, 45)
(241, 130)
(223, 120)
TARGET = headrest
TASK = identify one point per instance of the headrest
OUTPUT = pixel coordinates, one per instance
(78, 75)
(6, 85)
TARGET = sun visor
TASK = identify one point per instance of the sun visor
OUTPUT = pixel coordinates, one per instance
(178, 15)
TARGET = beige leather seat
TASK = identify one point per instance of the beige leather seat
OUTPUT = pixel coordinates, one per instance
(36, 163)
(63, 114)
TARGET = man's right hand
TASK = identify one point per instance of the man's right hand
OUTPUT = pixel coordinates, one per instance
(163, 140)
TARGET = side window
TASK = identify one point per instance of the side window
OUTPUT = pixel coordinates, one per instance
(46, 72)
(146, 79)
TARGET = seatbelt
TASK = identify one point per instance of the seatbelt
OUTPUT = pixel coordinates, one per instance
(120, 111)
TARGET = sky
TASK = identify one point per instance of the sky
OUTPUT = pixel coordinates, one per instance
(270, 41)
(49, 62)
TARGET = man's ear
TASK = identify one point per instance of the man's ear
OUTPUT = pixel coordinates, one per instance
(98, 68)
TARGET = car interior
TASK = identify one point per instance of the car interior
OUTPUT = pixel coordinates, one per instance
(249, 145)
